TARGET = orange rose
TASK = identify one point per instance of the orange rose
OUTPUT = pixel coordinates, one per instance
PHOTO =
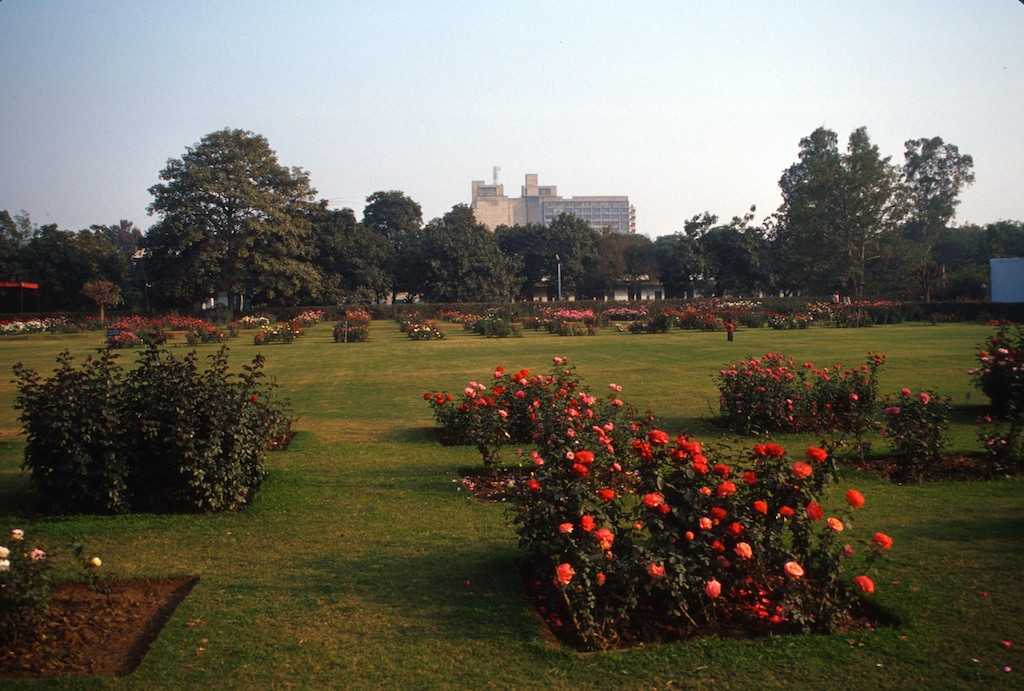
(712, 589)
(855, 499)
(802, 470)
(816, 454)
(794, 570)
(835, 524)
(882, 540)
(604, 538)
(761, 506)
(564, 574)
(655, 570)
(743, 550)
(865, 584)
(565, 528)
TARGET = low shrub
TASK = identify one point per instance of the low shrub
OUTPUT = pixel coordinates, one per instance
(165, 436)
(208, 334)
(123, 339)
(496, 327)
(278, 333)
(1002, 440)
(916, 426)
(351, 332)
(1000, 370)
(25, 582)
(572, 328)
(254, 321)
(644, 537)
(782, 322)
(658, 324)
(772, 394)
(625, 314)
(424, 331)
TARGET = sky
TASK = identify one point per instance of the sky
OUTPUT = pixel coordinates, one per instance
(683, 106)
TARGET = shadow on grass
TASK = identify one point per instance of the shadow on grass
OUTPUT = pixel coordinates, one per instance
(415, 435)
(471, 592)
(1001, 533)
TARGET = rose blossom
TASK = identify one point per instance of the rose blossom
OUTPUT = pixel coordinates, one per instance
(604, 538)
(655, 570)
(5, 565)
(37, 554)
(4, 552)
(17, 534)
(794, 570)
(835, 524)
(712, 589)
(761, 506)
(587, 523)
(743, 550)
(924, 397)
(865, 584)
(882, 540)
(802, 470)
(95, 563)
(565, 528)
(814, 511)
(564, 574)
(855, 499)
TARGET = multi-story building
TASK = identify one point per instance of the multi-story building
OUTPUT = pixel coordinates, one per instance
(541, 204)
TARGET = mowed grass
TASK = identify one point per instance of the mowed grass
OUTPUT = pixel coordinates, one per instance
(361, 565)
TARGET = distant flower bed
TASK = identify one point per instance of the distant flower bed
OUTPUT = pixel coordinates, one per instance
(279, 333)
(309, 318)
(424, 331)
(782, 322)
(457, 317)
(254, 322)
(625, 313)
(351, 332)
(569, 315)
(15, 327)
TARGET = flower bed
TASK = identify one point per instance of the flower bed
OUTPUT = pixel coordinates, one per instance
(782, 322)
(494, 326)
(308, 318)
(423, 331)
(278, 333)
(625, 313)
(916, 426)
(254, 322)
(351, 332)
(772, 394)
(17, 327)
(631, 536)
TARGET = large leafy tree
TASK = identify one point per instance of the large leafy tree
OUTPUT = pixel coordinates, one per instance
(733, 255)
(353, 260)
(837, 207)
(459, 261)
(528, 245)
(934, 175)
(398, 219)
(233, 220)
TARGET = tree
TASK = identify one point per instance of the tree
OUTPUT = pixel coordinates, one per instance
(398, 219)
(934, 175)
(733, 254)
(680, 257)
(104, 294)
(232, 220)
(575, 243)
(353, 260)
(459, 261)
(528, 245)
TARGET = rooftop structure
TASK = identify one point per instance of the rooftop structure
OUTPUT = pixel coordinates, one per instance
(541, 204)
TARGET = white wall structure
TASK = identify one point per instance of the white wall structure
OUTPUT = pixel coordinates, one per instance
(1007, 279)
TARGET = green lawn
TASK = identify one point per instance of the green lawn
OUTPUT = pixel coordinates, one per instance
(361, 565)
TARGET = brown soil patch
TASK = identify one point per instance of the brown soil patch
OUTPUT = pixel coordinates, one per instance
(97, 634)
(956, 467)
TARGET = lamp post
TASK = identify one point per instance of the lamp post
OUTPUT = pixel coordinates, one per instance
(558, 260)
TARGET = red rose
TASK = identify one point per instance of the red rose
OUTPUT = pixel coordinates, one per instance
(718, 546)
(865, 584)
(580, 470)
(604, 538)
(787, 512)
(726, 489)
(600, 578)
(743, 550)
(657, 437)
(653, 500)
(761, 506)
(564, 574)
(749, 477)
(565, 528)
(769, 449)
(802, 470)
(655, 570)
(882, 540)
(585, 457)
(718, 513)
(735, 528)
(533, 484)
(816, 454)
(587, 523)
(722, 469)
(855, 499)
(814, 511)
(700, 464)
(606, 494)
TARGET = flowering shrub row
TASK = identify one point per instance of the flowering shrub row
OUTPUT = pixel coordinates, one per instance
(772, 394)
(625, 313)
(351, 332)
(423, 331)
(17, 327)
(308, 318)
(782, 322)
(164, 436)
(630, 534)
(254, 322)
(493, 326)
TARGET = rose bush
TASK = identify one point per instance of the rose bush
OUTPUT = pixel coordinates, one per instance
(1000, 371)
(631, 533)
(916, 426)
(773, 394)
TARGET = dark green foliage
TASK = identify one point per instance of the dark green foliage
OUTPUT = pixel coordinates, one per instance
(167, 436)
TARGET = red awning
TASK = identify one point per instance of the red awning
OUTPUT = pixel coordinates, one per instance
(19, 284)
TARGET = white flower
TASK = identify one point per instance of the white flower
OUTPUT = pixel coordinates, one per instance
(5, 565)
(17, 534)
(4, 552)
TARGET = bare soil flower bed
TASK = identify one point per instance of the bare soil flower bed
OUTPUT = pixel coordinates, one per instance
(97, 634)
(953, 467)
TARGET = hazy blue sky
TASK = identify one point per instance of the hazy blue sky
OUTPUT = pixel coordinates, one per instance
(684, 106)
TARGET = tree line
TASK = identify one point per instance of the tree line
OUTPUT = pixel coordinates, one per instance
(231, 220)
